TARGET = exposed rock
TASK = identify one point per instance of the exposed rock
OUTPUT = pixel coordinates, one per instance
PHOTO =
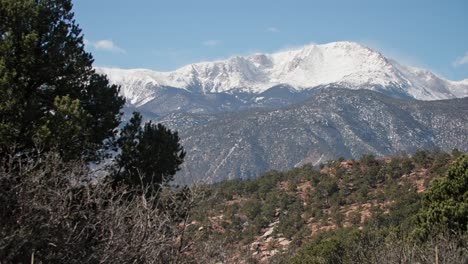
(285, 242)
(268, 233)
(273, 224)
(255, 246)
(269, 253)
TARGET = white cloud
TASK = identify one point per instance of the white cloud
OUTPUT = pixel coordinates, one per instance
(273, 29)
(211, 43)
(104, 45)
(108, 45)
(461, 60)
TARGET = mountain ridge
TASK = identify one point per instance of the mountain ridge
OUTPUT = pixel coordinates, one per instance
(348, 64)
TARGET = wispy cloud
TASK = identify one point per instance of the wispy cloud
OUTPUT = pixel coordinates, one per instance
(461, 60)
(289, 47)
(108, 45)
(105, 45)
(273, 29)
(211, 42)
(394, 53)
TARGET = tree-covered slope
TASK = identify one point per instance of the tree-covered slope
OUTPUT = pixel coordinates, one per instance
(332, 123)
(368, 210)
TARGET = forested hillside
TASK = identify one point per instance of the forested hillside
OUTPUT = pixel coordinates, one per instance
(330, 124)
(368, 211)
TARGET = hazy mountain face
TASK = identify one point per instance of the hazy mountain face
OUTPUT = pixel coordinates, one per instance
(332, 123)
(242, 116)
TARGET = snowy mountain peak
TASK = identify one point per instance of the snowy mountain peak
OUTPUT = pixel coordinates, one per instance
(344, 63)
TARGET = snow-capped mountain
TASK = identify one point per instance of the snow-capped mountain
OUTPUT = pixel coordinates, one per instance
(344, 64)
(323, 119)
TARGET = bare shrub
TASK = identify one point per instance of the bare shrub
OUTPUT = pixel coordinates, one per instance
(53, 212)
(444, 248)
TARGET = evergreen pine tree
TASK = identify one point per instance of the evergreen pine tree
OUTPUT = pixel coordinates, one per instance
(46, 78)
(445, 204)
(150, 155)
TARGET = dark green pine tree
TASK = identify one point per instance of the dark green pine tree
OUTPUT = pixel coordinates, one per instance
(150, 155)
(47, 81)
(445, 204)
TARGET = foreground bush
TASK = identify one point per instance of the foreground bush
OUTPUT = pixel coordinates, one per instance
(382, 246)
(53, 212)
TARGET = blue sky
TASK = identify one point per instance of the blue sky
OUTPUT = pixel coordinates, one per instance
(164, 35)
